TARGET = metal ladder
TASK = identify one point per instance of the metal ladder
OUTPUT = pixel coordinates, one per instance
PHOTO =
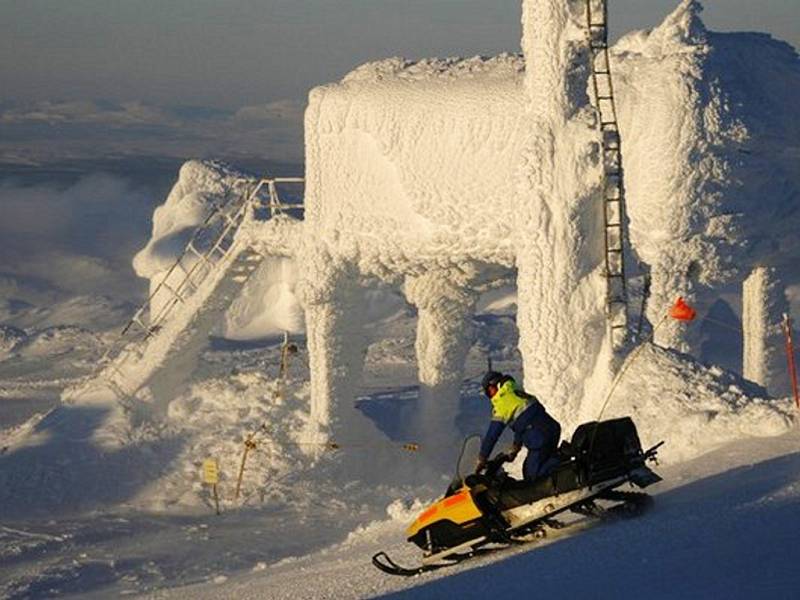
(613, 181)
(210, 252)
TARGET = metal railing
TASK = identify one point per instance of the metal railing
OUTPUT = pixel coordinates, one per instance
(209, 252)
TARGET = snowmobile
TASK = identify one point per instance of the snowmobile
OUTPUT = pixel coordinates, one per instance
(485, 512)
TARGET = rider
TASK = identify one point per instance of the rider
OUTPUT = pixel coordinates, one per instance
(532, 426)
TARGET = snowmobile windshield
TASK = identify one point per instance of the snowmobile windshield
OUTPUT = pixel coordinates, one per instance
(470, 449)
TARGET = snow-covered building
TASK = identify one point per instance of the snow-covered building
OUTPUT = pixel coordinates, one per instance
(447, 178)
(451, 175)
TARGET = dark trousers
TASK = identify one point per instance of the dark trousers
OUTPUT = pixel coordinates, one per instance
(541, 441)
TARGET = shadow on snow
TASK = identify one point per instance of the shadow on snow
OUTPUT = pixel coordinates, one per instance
(729, 535)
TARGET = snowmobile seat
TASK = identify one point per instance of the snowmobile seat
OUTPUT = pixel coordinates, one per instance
(564, 478)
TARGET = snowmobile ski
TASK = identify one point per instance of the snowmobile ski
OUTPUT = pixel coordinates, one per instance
(387, 565)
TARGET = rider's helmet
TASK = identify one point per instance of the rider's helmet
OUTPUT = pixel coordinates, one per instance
(491, 380)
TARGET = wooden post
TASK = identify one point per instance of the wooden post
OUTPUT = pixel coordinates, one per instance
(787, 328)
(287, 350)
(216, 497)
(249, 444)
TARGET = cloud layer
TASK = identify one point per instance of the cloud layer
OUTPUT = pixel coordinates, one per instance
(40, 132)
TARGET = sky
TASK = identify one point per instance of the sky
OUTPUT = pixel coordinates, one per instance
(199, 77)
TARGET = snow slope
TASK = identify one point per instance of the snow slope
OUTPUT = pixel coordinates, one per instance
(718, 529)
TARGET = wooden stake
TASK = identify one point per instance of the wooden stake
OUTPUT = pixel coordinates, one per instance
(249, 444)
(787, 329)
(216, 497)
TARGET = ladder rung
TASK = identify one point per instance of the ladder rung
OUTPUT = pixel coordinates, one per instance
(597, 25)
(599, 72)
(190, 247)
(615, 225)
(605, 97)
(614, 250)
(174, 293)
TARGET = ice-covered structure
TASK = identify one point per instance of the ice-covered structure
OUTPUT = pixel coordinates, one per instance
(712, 139)
(453, 174)
(450, 177)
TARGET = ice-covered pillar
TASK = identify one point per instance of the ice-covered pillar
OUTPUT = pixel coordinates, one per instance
(763, 305)
(334, 307)
(444, 337)
(561, 289)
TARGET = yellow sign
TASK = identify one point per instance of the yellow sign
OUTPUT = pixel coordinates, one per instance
(210, 471)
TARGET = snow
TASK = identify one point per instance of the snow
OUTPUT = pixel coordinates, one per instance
(695, 408)
(451, 215)
(201, 188)
(267, 305)
(718, 529)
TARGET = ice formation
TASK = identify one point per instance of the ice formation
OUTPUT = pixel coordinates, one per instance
(764, 304)
(455, 175)
(448, 178)
(201, 187)
(711, 137)
(465, 172)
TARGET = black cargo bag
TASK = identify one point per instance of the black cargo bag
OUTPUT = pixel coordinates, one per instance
(608, 448)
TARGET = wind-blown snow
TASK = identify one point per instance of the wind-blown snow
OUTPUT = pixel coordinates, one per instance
(692, 407)
(267, 305)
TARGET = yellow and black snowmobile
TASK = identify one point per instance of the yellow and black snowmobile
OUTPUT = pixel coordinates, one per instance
(484, 512)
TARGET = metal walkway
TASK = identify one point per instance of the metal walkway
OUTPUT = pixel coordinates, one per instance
(214, 249)
(614, 218)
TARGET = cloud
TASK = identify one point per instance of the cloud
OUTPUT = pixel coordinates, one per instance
(47, 131)
(77, 238)
(282, 110)
(77, 112)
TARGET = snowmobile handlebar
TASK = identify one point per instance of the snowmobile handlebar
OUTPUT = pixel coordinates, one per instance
(493, 465)
(651, 453)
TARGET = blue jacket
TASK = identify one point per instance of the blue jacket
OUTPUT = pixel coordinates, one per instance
(516, 409)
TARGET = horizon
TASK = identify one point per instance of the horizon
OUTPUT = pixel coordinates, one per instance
(192, 78)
